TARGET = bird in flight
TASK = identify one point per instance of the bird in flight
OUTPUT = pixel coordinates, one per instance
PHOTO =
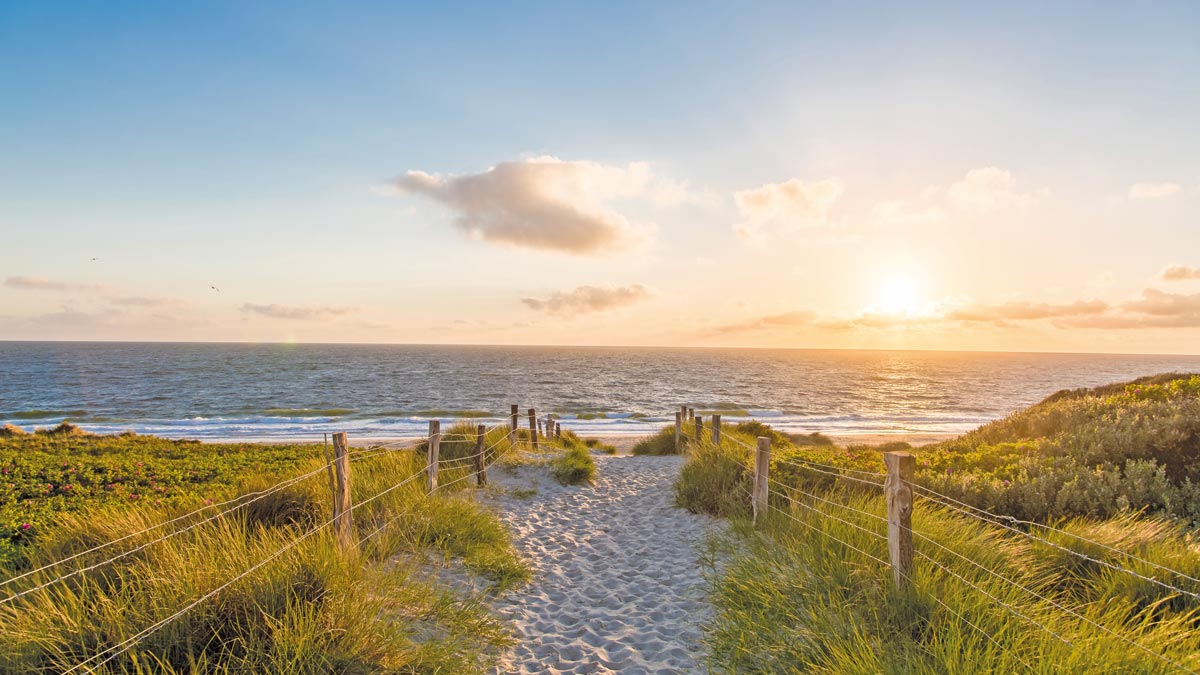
(95, 260)
(215, 289)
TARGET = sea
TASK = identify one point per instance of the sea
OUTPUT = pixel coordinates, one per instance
(302, 391)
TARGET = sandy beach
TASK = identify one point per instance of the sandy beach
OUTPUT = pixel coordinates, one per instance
(617, 582)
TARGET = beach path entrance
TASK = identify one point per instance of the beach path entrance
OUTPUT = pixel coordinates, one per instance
(618, 584)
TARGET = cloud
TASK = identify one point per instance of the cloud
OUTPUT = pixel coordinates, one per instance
(1152, 309)
(296, 312)
(989, 189)
(1179, 273)
(1152, 190)
(588, 299)
(785, 320)
(546, 203)
(786, 207)
(42, 284)
(1025, 311)
(143, 301)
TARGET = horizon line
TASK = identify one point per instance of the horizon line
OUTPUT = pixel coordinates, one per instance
(593, 346)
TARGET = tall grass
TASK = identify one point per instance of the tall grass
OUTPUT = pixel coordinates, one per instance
(809, 598)
(814, 593)
(315, 609)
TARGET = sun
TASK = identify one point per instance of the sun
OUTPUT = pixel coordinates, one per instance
(899, 295)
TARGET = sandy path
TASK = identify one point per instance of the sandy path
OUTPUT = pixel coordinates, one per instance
(617, 583)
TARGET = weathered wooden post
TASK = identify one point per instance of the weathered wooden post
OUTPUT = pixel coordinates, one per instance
(699, 429)
(343, 524)
(897, 488)
(480, 464)
(435, 447)
(514, 413)
(691, 414)
(683, 412)
(678, 432)
(716, 429)
(533, 434)
(762, 488)
(558, 430)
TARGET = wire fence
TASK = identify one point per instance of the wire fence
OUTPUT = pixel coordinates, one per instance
(485, 455)
(787, 500)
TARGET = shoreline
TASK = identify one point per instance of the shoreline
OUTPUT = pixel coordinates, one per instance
(623, 442)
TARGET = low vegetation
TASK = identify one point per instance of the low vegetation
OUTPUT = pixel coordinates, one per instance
(313, 608)
(1110, 468)
(574, 467)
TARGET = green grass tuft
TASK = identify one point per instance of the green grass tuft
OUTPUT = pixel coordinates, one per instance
(574, 467)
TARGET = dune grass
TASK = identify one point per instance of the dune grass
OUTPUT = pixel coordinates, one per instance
(315, 608)
(800, 600)
(574, 467)
(815, 595)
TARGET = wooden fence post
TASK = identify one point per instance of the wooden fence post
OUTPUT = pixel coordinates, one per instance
(716, 429)
(678, 432)
(480, 465)
(533, 428)
(343, 524)
(513, 416)
(762, 486)
(699, 429)
(683, 412)
(897, 488)
(691, 414)
(435, 446)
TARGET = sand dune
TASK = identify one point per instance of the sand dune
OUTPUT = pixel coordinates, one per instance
(617, 586)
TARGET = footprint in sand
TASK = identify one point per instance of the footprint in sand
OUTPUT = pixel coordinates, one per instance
(617, 585)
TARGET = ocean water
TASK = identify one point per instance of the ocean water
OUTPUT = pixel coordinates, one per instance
(254, 391)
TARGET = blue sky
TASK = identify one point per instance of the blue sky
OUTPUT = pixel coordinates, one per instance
(250, 146)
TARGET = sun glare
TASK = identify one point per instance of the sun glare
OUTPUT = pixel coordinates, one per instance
(899, 295)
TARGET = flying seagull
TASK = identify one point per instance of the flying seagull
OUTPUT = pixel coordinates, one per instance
(215, 289)
(95, 260)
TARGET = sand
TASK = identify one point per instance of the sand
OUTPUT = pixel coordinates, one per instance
(617, 582)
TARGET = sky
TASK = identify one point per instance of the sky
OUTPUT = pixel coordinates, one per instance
(1010, 176)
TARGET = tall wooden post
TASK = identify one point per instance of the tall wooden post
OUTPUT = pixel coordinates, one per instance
(678, 432)
(699, 429)
(435, 448)
(762, 486)
(897, 488)
(558, 430)
(343, 524)
(683, 412)
(533, 434)
(513, 416)
(480, 464)
(716, 429)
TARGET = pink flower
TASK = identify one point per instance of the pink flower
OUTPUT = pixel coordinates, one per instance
(25, 526)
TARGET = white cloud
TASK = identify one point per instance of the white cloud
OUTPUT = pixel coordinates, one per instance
(547, 203)
(989, 189)
(1179, 273)
(1152, 190)
(42, 284)
(588, 299)
(296, 312)
(786, 207)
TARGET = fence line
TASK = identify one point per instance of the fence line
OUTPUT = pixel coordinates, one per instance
(339, 467)
(900, 488)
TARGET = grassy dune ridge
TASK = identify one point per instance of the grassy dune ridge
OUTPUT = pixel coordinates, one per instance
(315, 609)
(812, 596)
